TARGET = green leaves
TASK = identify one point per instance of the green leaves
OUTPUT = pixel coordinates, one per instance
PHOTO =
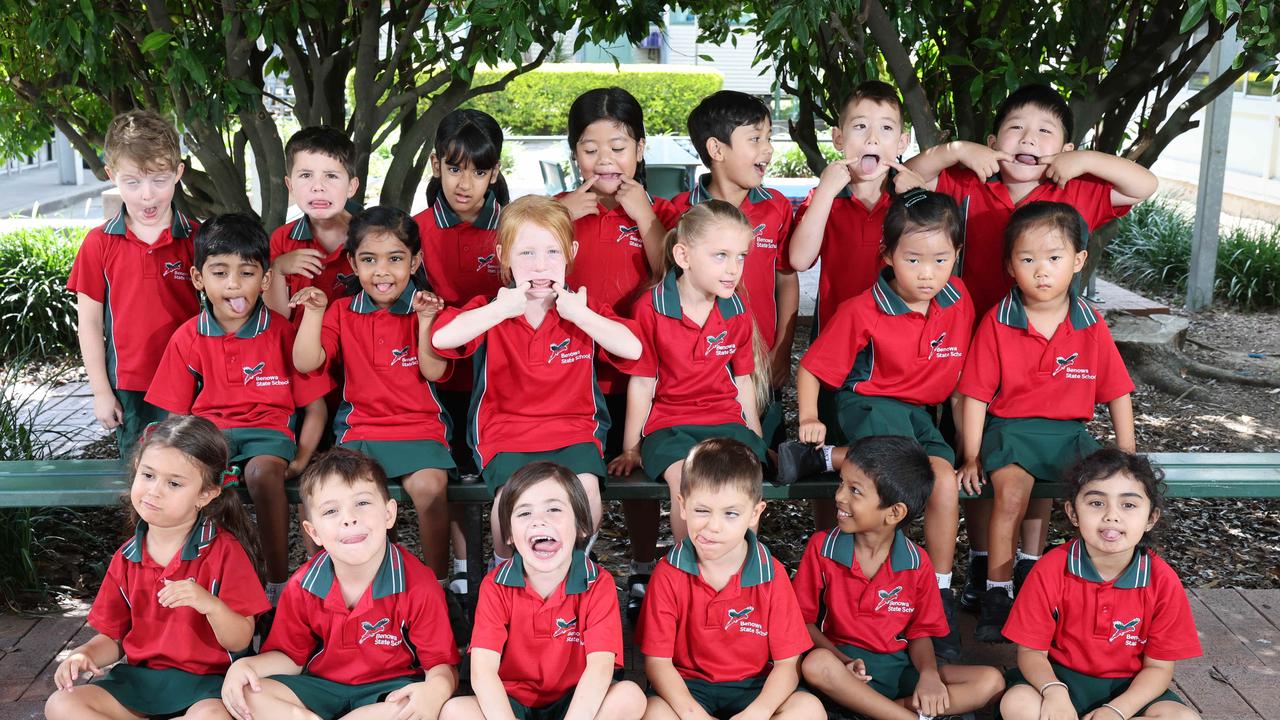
(154, 41)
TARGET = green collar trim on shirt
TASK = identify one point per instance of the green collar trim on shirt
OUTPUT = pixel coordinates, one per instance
(1013, 313)
(903, 554)
(200, 537)
(403, 305)
(259, 320)
(702, 192)
(179, 228)
(582, 573)
(301, 229)
(757, 570)
(390, 578)
(486, 220)
(890, 303)
(666, 299)
(1136, 575)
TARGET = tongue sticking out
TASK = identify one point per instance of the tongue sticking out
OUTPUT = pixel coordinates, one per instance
(868, 164)
(545, 547)
(1027, 159)
(238, 304)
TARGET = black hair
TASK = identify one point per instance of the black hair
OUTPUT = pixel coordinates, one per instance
(917, 210)
(1109, 462)
(719, 114)
(899, 468)
(611, 103)
(237, 234)
(534, 473)
(1058, 216)
(469, 136)
(323, 140)
(876, 91)
(1043, 97)
(391, 221)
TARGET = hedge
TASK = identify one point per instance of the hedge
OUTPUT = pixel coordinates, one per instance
(537, 102)
(38, 313)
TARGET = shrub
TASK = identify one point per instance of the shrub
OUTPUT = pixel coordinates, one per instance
(537, 102)
(788, 161)
(1152, 250)
(36, 310)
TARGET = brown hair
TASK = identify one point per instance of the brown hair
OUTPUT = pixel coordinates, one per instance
(534, 473)
(204, 444)
(321, 140)
(541, 211)
(722, 462)
(143, 138)
(875, 91)
(348, 466)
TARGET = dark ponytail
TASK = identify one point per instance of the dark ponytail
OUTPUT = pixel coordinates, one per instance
(612, 103)
(391, 221)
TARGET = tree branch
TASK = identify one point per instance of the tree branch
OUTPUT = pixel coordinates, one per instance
(898, 59)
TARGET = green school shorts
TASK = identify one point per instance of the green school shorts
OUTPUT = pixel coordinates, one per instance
(1044, 448)
(892, 674)
(1088, 693)
(158, 692)
(580, 458)
(866, 416)
(330, 699)
(723, 699)
(553, 711)
(246, 444)
(137, 415)
(405, 457)
(663, 448)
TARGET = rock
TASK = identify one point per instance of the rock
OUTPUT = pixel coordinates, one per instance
(1160, 329)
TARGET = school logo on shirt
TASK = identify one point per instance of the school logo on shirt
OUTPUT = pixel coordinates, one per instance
(630, 233)
(567, 357)
(1127, 630)
(175, 271)
(340, 280)
(403, 358)
(557, 348)
(940, 351)
(568, 629)
(1068, 368)
(373, 631)
(487, 262)
(762, 242)
(253, 372)
(889, 601)
(741, 620)
(718, 344)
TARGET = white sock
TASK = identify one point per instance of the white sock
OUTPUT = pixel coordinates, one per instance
(273, 592)
(1023, 556)
(1006, 586)
(643, 568)
(826, 457)
(459, 566)
(977, 554)
(497, 560)
(591, 541)
(944, 580)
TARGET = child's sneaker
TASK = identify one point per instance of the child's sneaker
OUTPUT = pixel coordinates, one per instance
(799, 460)
(996, 604)
(948, 647)
(1021, 570)
(975, 583)
(636, 586)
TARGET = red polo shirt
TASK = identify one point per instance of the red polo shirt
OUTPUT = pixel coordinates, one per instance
(460, 262)
(535, 387)
(877, 346)
(544, 643)
(769, 213)
(157, 637)
(732, 634)
(985, 209)
(695, 366)
(612, 265)
(1023, 374)
(384, 396)
(398, 628)
(850, 251)
(881, 613)
(145, 291)
(1098, 628)
(297, 235)
(245, 380)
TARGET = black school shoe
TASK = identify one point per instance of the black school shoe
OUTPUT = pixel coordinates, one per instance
(948, 647)
(975, 584)
(993, 615)
(798, 460)
(1021, 570)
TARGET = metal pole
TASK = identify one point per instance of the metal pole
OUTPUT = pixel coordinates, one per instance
(1213, 170)
(69, 171)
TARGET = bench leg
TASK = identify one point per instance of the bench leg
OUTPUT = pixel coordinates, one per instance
(473, 527)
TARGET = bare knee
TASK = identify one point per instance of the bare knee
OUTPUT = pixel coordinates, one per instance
(265, 473)
(816, 668)
(624, 701)
(658, 709)
(207, 710)
(63, 704)
(1021, 702)
(426, 485)
(801, 706)
(1170, 710)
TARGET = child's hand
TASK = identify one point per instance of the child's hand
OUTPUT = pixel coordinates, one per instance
(239, 676)
(306, 262)
(107, 410)
(930, 697)
(622, 465)
(633, 198)
(296, 467)
(837, 175)
(1065, 167)
(970, 475)
(582, 202)
(982, 160)
(906, 179)
(186, 593)
(427, 305)
(512, 301)
(414, 701)
(72, 669)
(858, 667)
(1056, 705)
(812, 431)
(571, 305)
(312, 299)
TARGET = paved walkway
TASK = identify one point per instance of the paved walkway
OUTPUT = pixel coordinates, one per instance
(20, 191)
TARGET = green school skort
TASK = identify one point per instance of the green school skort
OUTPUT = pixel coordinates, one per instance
(1088, 693)
(892, 674)
(1044, 448)
(405, 457)
(246, 444)
(866, 416)
(663, 448)
(554, 711)
(723, 699)
(580, 458)
(165, 692)
(330, 699)
(137, 414)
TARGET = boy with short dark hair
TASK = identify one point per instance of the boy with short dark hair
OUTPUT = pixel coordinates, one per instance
(233, 364)
(320, 173)
(130, 275)
(870, 599)
(720, 627)
(362, 624)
